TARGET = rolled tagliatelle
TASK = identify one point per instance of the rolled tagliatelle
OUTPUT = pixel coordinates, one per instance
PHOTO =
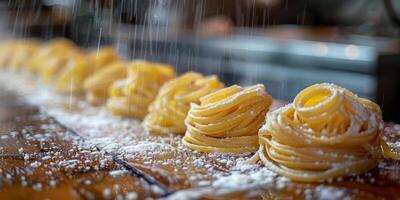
(131, 97)
(327, 132)
(228, 120)
(6, 52)
(17, 53)
(101, 57)
(168, 111)
(72, 75)
(51, 55)
(96, 86)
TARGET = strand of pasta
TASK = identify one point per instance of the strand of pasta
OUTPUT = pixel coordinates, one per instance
(96, 86)
(227, 121)
(325, 133)
(131, 97)
(168, 111)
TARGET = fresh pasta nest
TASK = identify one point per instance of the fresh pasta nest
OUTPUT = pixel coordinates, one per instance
(228, 120)
(131, 97)
(327, 132)
(52, 53)
(102, 57)
(168, 111)
(72, 75)
(96, 86)
(70, 70)
(14, 54)
(7, 49)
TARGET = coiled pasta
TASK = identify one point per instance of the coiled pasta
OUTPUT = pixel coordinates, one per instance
(326, 132)
(71, 76)
(70, 69)
(131, 97)
(53, 65)
(48, 53)
(23, 52)
(6, 52)
(168, 111)
(14, 54)
(96, 86)
(228, 120)
(101, 57)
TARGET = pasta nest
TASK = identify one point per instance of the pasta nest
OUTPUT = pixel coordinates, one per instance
(326, 132)
(131, 97)
(70, 68)
(6, 52)
(14, 54)
(51, 53)
(228, 120)
(72, 74)
(101, 57)
(96, 86)
(168, 111)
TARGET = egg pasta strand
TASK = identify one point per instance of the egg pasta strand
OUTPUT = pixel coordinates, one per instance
(227, 121)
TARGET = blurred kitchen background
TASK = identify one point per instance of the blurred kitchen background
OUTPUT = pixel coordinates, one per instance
(284, 44)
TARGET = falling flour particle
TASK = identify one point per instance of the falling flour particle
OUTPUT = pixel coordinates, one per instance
(117, 173)
(131, 196)
(3, 137)
(204, 183)
(52, 183)
(36, 164)
(156, 189)
(106, 193)
(24, 183)
(37, 186)
(87, 182)
(329, 193)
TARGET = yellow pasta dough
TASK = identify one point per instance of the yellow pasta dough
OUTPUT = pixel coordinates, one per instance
(72, 75)
(228, 120)
(327, 132)
(131, 97)
(49, 53)
(168, 111)
(23, 51)
(14, 54)
(101, 57)
(6, 52)
(69, 70)
(96, 86)
(52, 66)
